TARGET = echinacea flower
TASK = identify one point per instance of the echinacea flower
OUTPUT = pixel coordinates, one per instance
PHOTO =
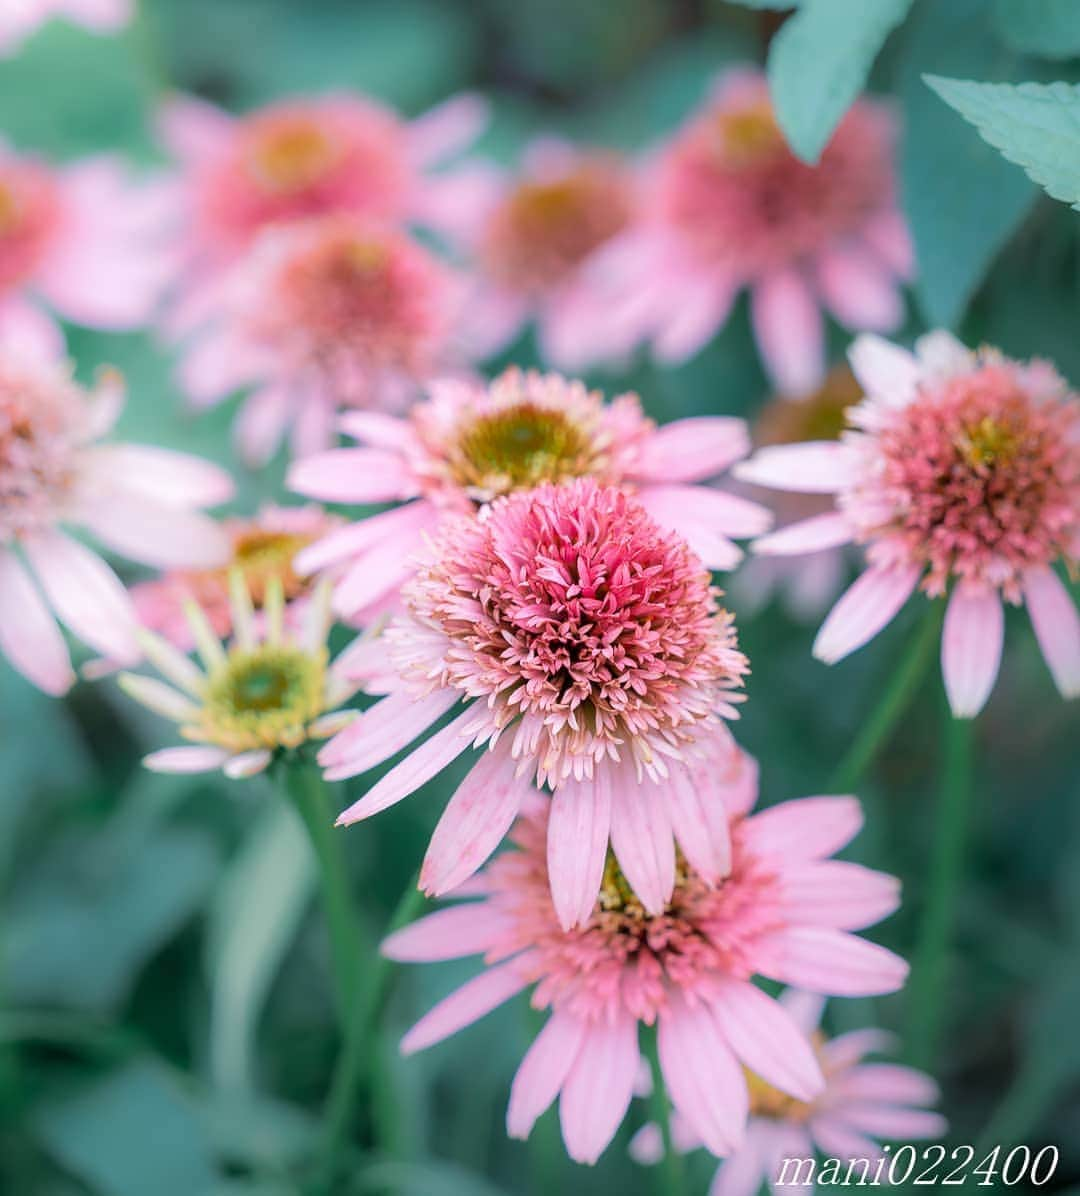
(861, 1103)
(139, 501)
(467, 445)
(530, 246)
(19, 18)
(83, 240)
(728, 206)
(324, 315)
(592, 655)
(262, 547)
(272, 688)
(960, 476)
(783, 911)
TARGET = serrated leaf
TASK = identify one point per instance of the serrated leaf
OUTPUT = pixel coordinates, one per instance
(819, 61)
(1035, 125)
(1049, 28)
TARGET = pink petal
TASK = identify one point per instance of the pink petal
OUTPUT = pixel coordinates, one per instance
(808, 535)
(726, 513)
(898, 1125)
(942, 354)
(401, 523)
(352, 475)
(468, 1004)
(29, 636)
(848, 1049)
(376, 574)
(788, 329)
(215, 366)
(841, 894)
(1057, 627)
(887, 235)
(26, 330)
(577, 840)
(313, 428)
(884, 370)
(192, 128)
(451, 933)
(738, 781)
(689, 325)
(475, 820)
(186, 759)
(156, 535)
(743, 1171)
(812, 467)
(839, 1141)
(830, 961)
(689, 450)
(448, 128)
(599, 1086)
(260, 425)
(385, 729)
(641, 836)
(887, 1083)
(699, 817)
(859, 291)
(805, 1009)
(543, 1072)
(867, 606)
(971, 647)
(161, 475)
(376, 429)
(805, 829)
(714, 548)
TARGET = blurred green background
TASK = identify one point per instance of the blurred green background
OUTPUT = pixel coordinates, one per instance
(166, 1026)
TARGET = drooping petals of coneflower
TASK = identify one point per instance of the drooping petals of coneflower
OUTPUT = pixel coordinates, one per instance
(783, 911)
(270, 689)
(141, 502)
(467, 445)
(960, 476)
(20, 18)
(728, 206)
(861, 1104)
(592, 655)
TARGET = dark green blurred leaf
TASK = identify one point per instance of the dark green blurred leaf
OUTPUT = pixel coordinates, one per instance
(1050, 28)
(423, 1179)
(257, 1133)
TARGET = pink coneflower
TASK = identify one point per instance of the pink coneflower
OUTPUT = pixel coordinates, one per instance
(860, 1104)
(19, 18)
(961, 474)
(590, 649)
(729, 206)
(262, 548)
(532, 241)
(82, 240)
(141, 502)
(468, 445)
(324, 314)
(783, 911)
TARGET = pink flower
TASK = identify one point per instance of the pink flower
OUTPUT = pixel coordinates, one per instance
(783, 911)
(589, 647)
(141, 502)
(82, 240)
(729, 206)
(19, 18)
(262, 548)
(323, 314)
(467, 445)
(860, 1104)
(961, 474)
(532, 239)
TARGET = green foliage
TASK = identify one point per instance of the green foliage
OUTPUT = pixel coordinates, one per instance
(1049, 28)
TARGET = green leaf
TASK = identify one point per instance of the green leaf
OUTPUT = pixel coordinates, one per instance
(253, 920)
(777, 4)
(1049, 28)
(819, 61)
(423, 1179)
(1035, 125)
(133, 1133)
(257, 1133)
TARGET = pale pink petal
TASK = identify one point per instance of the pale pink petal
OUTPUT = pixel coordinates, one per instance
(352, 475)
(841, 894)
(599, 1086)
(376, 429)
(641, 836)
(313, 428)
(789, 331)
(402, 523)
(475, 820)
(859, 291)
(884, 370)
(193, 129)
(102, 16)
(808, 535)
(451, 933)
(260, 425)
(377, 573)
(766, 1039)
(28, 331)
(154, 534)
(900, 1125)
(491, 319)
(738, 781)
(458, 202)
(887, 1083)
(742, 1172)
(714, 548)
(543, 1072)
(447, 128)
(186, 759)
(812, 467)
(247, 764)
(829, 961)
(385, 729)
(867, 606)
(689, 325)
(805, 1009)
(699, 817)
(29, 636)
(971, 644)
(726, 513)
(887, 235)
(577, 840)
(942, 354)
(1057, 627)
(806, 829)
(846, 1050)
(466, 1005)
(689, 450)
(838, 1141)
(217, 365)
(161, 475)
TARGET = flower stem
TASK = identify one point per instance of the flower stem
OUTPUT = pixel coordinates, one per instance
(673, 1171)
(895, 699)
(926, 993)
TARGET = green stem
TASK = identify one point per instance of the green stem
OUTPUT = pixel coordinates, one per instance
(926, 992)
(895, 699)
(673, 1171)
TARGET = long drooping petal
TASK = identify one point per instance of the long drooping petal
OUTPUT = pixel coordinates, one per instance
(577, 842)
(971, 645)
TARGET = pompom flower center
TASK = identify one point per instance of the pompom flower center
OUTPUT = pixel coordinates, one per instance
(29, 213)
(291, 154)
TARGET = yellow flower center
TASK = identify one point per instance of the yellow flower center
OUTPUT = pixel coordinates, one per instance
(262, 555)
(291, 154)
(988, 443)
(10, 210)
(748, 136)
(820, 416)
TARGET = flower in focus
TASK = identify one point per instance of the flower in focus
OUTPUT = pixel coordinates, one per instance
(729, 206)
(860, 1103)
(82, 240)
(324, 314)
(19, 18)
(961, 475)
(262, 548)
(804, 585)
(139, 501)
(532, 243)
(784, 911)
(468, 445)
(593, 657)
(272, 688)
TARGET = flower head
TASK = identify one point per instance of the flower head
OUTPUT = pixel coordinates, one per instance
(19, 20)
(270, 689)
(142, 502)
(467, 445)
(961, 475)
(730, 206)
(783, 911)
